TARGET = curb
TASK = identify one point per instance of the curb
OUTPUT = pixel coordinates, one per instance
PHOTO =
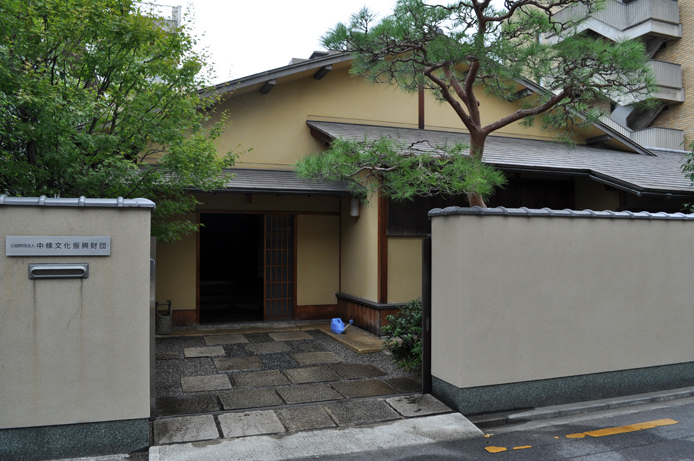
(326, 442)
(555, 411)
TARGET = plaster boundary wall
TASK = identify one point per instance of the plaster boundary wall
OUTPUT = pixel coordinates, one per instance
(542, 307)
(76, 353)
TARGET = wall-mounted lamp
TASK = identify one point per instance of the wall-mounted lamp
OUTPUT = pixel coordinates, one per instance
(354, 207)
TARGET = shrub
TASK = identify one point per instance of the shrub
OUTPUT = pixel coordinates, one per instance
(404, 336)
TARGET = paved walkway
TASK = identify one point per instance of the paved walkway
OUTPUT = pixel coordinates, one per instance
(282, 378)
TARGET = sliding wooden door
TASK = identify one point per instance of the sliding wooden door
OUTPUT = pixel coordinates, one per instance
(279, 267)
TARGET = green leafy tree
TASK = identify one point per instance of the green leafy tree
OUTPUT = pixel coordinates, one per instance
(467, 47)
(404, 336)
(99, 98)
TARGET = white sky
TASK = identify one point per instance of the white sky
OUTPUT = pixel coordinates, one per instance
(245, 37)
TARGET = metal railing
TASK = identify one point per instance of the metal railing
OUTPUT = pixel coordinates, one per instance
(653, 137)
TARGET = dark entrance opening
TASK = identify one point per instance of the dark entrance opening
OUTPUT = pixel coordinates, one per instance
(231, 268)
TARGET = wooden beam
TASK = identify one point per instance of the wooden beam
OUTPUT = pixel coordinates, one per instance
(322, 72)
(599, 139)
(382, 249)
(269, 85)
(524, 93)
(421, 108)
(325, 139)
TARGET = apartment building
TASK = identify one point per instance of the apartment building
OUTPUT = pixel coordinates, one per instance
(661, 25)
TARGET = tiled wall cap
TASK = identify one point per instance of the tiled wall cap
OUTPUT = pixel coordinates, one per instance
(546, 212)
(120, 202)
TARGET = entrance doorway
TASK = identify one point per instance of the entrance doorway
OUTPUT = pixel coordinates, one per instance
(231, 268)
(246, 267)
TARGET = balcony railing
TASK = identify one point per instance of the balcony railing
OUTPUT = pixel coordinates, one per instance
(653, 137)
(624, 16)
(666, 73)
(660, 138)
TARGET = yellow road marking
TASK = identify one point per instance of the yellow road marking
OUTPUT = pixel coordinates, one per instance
(600, 432)
(623, 429)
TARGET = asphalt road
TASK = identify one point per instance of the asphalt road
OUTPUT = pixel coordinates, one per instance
(661, 431)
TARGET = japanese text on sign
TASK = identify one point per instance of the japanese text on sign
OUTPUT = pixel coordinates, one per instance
(52, 245)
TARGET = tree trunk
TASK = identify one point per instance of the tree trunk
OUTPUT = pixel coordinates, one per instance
(477, 140)
(475, 199)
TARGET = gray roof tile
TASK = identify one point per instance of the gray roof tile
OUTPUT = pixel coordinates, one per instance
(251, 180)
(546, 212)
(119, 202)
(657, 173)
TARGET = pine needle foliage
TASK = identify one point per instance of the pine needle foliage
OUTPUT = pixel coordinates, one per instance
(468, 47)
(401, 171)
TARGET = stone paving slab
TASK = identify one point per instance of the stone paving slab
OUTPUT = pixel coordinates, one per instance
(268, 348)
(238, 363)
(311, 375)
(290, 336)
(361, 412)
(358, 370)
(250, 398)
(187, 404)
(355, 339)
(305, 418)
(405, 384)
(261, 379)
(411, 406)
(250, 423)
(185, 429)
(315, 358)
(193, 352)
(365, 388)
(225, 339)
(306, 393)
(205, 383)
(349, 442)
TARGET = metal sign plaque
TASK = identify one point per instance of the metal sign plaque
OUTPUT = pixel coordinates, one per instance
(57, 245)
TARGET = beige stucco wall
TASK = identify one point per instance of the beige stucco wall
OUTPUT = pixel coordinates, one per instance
(274, 125)
(176, 271)
(404, 269)
(359, 247)
(74, 351)
(518, 299)
(318, 259)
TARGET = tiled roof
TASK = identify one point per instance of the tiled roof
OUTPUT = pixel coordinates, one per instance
(546, 212)
(659, 173)
(119, 202)
(250, 180)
